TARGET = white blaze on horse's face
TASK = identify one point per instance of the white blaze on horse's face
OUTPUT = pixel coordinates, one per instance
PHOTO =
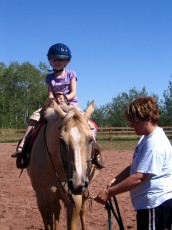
(77, 137)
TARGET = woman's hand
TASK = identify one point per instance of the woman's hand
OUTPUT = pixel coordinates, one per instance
(103, 196)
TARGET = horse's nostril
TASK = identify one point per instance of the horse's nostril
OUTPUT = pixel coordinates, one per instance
(70, 184)
(86, 184)
(77, 188)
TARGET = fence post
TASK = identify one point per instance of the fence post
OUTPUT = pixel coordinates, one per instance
(110, 133)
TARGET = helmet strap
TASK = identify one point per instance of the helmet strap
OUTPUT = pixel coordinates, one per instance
(55, 70)
(58, 71)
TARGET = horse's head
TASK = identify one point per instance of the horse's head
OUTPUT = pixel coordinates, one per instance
(75, 140)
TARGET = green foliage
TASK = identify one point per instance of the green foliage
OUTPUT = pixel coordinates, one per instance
(166, 107)
(112, 114)
(22, 91)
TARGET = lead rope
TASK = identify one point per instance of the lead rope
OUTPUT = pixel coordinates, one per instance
(110, 209)
(107, 207)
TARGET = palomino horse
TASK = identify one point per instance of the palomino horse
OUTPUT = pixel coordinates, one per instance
(60, 165)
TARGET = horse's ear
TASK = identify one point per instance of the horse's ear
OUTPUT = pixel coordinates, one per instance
(58, 110)
(66, 108)
(89, 110)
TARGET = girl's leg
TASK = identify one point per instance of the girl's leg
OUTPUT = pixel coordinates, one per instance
(97, 157)
(20, 146)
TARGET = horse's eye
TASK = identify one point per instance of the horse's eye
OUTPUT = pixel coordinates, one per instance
(62, 142)
(90, 140)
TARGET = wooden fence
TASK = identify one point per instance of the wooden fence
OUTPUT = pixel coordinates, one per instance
(7, 135)
(119, 133)
(105, 133)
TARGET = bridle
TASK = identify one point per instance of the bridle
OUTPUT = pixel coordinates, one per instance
(89, 166)
(89, 162)
(67, 195)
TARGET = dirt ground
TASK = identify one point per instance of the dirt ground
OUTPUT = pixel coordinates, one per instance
(18, 208)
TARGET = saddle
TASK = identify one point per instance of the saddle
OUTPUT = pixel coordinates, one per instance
(23, 158)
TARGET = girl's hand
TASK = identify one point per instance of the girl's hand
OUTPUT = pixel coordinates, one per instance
(51, 97)
(60, 99)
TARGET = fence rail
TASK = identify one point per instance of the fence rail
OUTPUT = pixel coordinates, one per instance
(106, 133)
(7, 135)
(110, 133)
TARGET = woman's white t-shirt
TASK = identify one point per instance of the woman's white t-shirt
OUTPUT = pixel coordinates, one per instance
(153, 155)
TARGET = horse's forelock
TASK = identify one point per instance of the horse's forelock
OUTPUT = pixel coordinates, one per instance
(68, 116)
(74, 113)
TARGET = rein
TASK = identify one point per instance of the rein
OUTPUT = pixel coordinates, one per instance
(110, 209)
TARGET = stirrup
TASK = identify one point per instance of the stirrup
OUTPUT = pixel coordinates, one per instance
(18, 151)
(98, 163)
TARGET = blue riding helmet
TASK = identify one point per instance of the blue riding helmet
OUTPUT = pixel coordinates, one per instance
(59, 50)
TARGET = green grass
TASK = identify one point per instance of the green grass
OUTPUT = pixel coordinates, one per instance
(123, 145)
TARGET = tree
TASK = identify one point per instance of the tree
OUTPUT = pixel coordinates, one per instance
(166, 108)
(24, 91)
(112, 114)
(2, 94)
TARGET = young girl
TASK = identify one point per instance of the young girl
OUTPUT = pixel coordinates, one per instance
(63, 81)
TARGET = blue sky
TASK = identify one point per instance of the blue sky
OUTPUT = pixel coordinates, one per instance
(116, 44)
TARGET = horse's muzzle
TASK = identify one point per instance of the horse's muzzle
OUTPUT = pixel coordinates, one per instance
(77, 188)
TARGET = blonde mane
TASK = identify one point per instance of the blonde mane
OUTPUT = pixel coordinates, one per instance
(69, 111)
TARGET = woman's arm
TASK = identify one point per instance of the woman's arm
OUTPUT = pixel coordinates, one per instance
(121, 176)
(126, 185)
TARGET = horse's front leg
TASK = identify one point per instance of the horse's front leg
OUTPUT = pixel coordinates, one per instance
(73, 213)
(83, 213)
(46, 209)
(47, 217)
(57, 209)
